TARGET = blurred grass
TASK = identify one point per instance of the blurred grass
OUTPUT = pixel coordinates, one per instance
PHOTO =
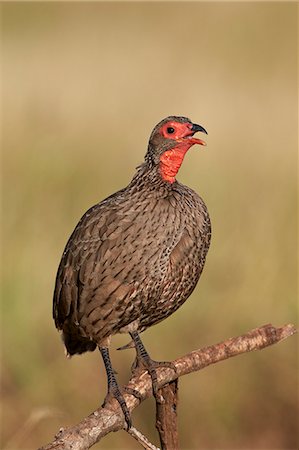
(83, 85)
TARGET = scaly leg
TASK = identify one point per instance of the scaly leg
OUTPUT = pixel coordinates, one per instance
(113, 388)
(145, 361)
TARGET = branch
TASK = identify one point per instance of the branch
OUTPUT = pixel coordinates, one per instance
(141, 439)
(167, 415)
(104, 420)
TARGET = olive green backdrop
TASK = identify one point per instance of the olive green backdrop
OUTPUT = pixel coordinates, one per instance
(83, 85)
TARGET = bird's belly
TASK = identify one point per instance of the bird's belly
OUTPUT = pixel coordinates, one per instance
(177, 286)
(144, 278)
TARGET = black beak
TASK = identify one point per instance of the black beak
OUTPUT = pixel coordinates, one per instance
(196, 128)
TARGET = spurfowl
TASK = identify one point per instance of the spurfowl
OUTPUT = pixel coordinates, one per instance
(135, 257)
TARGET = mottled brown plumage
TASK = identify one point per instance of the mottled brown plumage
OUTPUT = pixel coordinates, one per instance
(134, 258)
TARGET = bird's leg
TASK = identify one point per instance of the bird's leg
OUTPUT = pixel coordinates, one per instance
(113, 388)
(143, 360)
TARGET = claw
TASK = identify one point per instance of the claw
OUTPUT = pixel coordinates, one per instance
(115, 392)
(125, 347)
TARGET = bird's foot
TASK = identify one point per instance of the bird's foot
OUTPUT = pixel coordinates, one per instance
(115, 392)
(133, 392)
(113, 388)
(146, 363)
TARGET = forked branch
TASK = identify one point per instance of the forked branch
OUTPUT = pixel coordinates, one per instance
(104, 420)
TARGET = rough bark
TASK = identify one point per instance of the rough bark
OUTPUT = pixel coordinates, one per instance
(104, 420)
(167, 416)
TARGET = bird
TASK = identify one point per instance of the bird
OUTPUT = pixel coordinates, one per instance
(135, 257)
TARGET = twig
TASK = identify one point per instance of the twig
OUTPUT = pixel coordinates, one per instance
(104, 420)
(142, 439)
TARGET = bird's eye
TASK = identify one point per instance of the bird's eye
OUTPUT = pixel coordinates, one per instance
(170, 130)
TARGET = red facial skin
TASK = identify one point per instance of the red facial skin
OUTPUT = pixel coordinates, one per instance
(171, 160)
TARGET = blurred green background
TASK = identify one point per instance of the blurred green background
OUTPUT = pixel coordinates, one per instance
(83, 86)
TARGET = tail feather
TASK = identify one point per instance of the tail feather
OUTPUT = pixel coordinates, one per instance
(77, 344)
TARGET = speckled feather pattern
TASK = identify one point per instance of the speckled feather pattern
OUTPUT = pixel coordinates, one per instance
(132, 260)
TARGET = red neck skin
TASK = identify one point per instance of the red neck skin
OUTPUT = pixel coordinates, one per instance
(171, 161)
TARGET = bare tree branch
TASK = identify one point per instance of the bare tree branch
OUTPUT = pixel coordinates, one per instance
(167, 416)
(104, 420)
(141, 439)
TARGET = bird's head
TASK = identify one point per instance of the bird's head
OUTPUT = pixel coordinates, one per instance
(169, 142)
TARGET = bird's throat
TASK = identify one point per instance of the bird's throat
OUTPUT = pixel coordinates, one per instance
(171, 161)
